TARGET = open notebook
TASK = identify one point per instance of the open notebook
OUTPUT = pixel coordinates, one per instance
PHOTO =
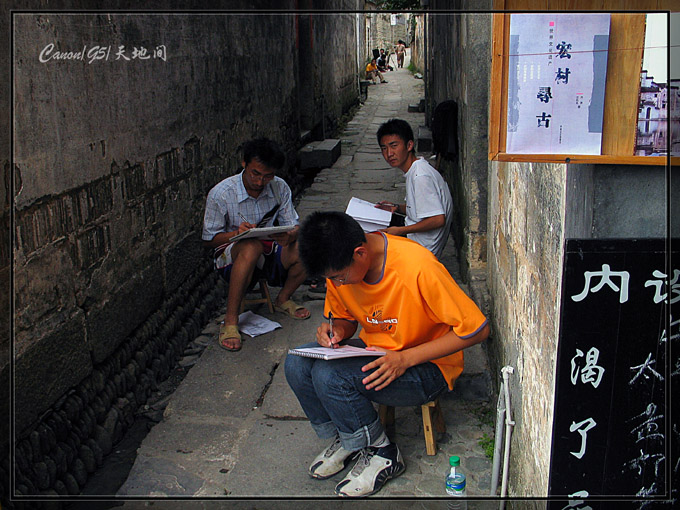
(344, 351)
(368, 215)
(261, 232)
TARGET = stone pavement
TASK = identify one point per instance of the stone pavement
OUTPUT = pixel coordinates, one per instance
(234, 430)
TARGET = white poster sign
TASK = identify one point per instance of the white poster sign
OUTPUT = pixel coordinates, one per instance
(556, 78)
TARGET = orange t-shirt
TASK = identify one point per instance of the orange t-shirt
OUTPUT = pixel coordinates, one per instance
(371, 67)
(415, 300)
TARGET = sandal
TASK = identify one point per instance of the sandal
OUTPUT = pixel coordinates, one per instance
(227, 332)
(290, 307)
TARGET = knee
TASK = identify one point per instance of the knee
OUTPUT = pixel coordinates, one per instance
(294, 370)
(326, 378)
(249, 250)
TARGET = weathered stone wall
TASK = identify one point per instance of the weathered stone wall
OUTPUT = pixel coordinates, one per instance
(459, 59)
(114, 158)
(417, 47)
(5, 243)
(526, 234)
(385, 35)
(334, 46)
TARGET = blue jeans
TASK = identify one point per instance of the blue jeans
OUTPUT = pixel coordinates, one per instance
(337, 403)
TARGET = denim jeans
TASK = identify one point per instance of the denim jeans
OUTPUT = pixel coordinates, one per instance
(337, 402)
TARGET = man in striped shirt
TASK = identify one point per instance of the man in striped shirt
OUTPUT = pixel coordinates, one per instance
(254, 197)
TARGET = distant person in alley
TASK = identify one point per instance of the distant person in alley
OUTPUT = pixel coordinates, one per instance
(429, 206)
(409, 307)
(401, 53)
(254, 197)
(372, 72)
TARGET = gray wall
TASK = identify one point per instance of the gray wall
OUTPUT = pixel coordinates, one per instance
(113, 161)
(458, 65)
(609, 201)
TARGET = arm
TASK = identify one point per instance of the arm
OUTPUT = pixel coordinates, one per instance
(225, 237)
(424, 225)
(395, 363)
(216, 227)
(391, 207)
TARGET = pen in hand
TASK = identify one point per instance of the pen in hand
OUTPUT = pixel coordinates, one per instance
(243, 218)
(390, 204)
(330, 333)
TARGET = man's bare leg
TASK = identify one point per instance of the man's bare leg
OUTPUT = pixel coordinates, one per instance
(296, 277)
(244, 255)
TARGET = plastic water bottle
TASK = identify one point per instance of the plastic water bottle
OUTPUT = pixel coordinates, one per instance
(455, 485)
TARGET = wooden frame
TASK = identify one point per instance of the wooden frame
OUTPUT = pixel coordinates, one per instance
(626, 44)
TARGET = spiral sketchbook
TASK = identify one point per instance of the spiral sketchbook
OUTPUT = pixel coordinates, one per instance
(260, 232)
(344, 351)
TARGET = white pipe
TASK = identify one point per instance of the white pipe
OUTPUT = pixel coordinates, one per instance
(498, 441)
(509, 423)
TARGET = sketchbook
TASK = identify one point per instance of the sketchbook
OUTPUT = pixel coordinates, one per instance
(368, 215)
(262, 232)
(344, 351)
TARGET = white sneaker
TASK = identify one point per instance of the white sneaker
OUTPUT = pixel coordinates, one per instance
(330, 461)
(374, 467)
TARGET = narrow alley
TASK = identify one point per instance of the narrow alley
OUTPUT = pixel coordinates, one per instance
(234, 414)
(561, 184)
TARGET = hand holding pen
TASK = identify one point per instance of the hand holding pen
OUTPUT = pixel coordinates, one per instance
(246, 225)
(389, 206)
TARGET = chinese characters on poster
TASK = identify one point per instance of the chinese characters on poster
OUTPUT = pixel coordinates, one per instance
(556, 81)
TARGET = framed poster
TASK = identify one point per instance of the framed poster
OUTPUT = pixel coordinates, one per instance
(556, 81)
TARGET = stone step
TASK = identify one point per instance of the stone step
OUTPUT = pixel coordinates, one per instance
(320, 154)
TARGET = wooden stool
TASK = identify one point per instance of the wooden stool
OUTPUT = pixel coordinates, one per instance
(432, 416)
(266, 297)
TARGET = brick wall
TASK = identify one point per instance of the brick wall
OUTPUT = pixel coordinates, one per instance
(113, 160)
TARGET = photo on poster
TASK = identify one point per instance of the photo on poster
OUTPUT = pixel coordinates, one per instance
(658, 123)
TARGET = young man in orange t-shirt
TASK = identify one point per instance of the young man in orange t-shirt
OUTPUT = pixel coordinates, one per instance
(409, 306)
(372, 71)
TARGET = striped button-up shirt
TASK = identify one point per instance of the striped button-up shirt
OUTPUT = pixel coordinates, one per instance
(229, 198)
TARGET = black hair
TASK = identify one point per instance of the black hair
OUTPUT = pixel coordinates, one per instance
(398, 127)
(266, 151)
(327, 240)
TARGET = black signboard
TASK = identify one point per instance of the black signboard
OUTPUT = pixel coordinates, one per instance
(617, 365)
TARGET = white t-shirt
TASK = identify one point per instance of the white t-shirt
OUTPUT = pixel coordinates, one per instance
(427, 194)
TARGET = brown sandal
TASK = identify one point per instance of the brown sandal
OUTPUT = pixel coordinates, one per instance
(227, 332)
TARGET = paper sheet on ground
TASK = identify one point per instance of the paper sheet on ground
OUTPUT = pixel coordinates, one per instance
(367, 215)
(253, 325)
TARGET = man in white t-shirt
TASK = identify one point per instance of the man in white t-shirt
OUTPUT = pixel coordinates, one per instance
(429, 207)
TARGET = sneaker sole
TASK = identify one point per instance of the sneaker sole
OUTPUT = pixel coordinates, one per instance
(344, 466)
(388, 477)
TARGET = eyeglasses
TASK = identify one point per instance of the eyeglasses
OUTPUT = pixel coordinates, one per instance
(342, 280)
